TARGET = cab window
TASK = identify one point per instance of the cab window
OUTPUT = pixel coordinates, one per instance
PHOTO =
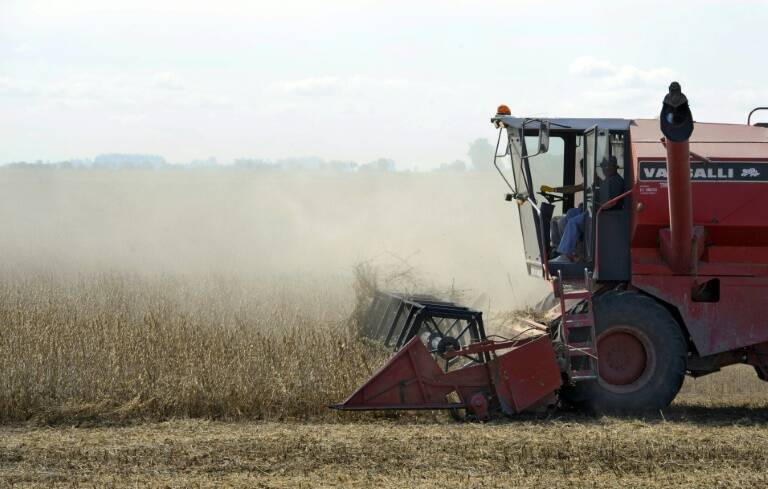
(547, 168)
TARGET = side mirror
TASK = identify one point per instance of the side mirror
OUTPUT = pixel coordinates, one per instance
(544, 137)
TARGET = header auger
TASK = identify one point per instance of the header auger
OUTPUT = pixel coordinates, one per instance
(654, 236)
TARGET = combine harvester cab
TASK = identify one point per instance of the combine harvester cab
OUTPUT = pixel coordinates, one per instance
(654, 237)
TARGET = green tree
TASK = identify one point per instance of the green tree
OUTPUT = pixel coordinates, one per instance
(481, 154)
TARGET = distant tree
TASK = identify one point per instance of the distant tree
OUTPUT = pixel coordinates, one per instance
(297, 164)
(301, 163)
(80, 163)
(255, 164)
(454, 166)
(481, 154)
(380, 165)
(209, 162)
(341, 166)
(117, 161)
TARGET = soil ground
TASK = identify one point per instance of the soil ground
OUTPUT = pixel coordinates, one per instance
(696, 452)
(698, 442)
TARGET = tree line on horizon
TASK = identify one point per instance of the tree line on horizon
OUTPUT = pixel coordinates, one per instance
(479, 153)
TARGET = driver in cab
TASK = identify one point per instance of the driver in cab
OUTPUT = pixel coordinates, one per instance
(573, 221)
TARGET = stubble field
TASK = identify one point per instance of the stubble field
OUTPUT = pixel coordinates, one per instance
(215, 369)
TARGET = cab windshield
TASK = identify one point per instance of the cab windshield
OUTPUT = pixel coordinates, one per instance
(520, 181)
(547, 168)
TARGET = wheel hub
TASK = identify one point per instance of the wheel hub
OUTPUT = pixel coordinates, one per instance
(625, 358)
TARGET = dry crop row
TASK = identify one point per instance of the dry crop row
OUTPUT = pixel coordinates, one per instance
(118, 346)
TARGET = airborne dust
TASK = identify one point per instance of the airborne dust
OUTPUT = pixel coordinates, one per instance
(446, 230)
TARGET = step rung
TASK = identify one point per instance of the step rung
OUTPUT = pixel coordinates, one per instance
(579, 323)
(576, 294)
(582, 349)
(583, 371)
(578, 315)
(578, 351)
(583, 376)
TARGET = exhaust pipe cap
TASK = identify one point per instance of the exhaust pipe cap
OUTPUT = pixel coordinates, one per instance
(676, 120)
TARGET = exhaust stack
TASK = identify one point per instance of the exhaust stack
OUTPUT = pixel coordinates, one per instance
(679, 243)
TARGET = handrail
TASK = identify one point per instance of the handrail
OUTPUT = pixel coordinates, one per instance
(749, 117)
(497, 155)
(597, 229)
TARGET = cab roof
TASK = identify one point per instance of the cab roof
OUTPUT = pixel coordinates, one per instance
(576, 124)
(711, 140)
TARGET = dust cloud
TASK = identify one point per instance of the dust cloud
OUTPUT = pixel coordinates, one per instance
(451, 229)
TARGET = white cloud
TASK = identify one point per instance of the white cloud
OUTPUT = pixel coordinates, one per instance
(23, 48)
(591, 67)
(113, 92)
(336, 85)
(608, 89)
(167, 80)
(610, 74)
(734, 104)
(79, 87)
(12, 87)
(128, 119)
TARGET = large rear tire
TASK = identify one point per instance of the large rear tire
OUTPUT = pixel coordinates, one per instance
(641, 356)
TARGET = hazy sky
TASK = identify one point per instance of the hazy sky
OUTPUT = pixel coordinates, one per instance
(353, 80)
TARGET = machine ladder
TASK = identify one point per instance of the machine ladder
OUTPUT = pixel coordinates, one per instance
(578, 329)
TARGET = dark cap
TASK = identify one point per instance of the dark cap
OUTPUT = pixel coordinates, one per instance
(612, 161)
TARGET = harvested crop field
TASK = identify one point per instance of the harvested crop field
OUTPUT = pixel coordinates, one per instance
(191, 338)
(115, 381)
(695, 446)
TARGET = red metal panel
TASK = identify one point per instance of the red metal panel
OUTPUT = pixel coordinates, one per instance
(412, 380)
(645, 266)
(737, 254)
(733, 212)
(738, 319)
(527, 374)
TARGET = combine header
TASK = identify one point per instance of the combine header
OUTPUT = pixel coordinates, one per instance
(394, 319)
(654, 236)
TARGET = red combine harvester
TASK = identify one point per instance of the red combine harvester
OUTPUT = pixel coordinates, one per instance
(663, 272)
